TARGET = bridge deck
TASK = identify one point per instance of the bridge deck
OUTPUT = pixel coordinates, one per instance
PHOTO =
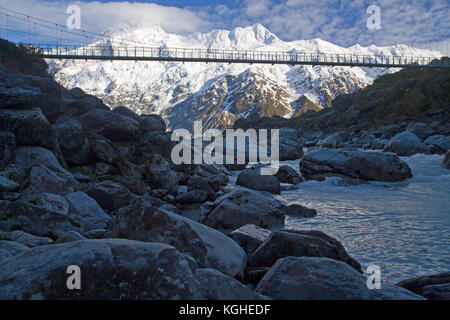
(231, 56)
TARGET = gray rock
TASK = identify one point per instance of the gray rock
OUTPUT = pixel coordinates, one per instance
(42, 180)
(406, 144)
(4, 255)
(240, 207)
(290, 147)
(70, 236)
(319, 163)
(211, 248)
(311, 278)
(249, 237)
(28, 157)
(311, 243)
(10, 196)
(335, 140)
(420, 129)
(433, 287)
(49, 201)
(296, 210)
(13, 247)
(111, 125)
(102, 148)
(192, 196)
(440, 141)
(217, 286)
(196, 182)
(87, 211)
(35, 220)
(30, 127)
(126, 112)
(74, 144)
(8, 185)
(252, 179)
(287, 174)
(110, 269)
(110, 195)
(96, 234)
(446, 160)
(26, 239)
(152, 122)
(7, 148)
(160, 174)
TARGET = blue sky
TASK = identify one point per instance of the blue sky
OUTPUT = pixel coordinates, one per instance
(340, 21)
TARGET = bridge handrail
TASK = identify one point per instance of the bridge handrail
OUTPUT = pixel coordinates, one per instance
(229, 54)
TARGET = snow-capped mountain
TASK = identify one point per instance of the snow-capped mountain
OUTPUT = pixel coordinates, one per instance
(218, 94)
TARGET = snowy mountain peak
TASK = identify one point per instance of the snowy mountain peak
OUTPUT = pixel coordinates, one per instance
(219, 93)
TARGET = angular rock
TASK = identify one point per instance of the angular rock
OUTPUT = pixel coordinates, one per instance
(252, 179)
(249, 237)
(42, 180)
(319, 163)
(102, 148)
(32, 219)
(287, 174)
(13, 247)
(74, 144)
(152, 122)
(406, 144)
(290, 147)
(440, 141)
(7, 148)
(296, 210)
(111, 269)
(111, 125)
(87, 211)
(311, 278)
(26, 239)
(110, 195)
(310, 243)
(211, 248)
(217, 286)
(240, 207)
(159, 174)
(8, 185)
(49, 201)
(433, 287)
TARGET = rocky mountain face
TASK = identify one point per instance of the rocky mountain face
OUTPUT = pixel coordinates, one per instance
(218, 94)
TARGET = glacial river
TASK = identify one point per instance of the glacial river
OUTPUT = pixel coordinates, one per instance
(402, 227)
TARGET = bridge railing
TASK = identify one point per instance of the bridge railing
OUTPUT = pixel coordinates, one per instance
(218, 55)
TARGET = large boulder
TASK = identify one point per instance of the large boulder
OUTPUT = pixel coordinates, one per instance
(152, 122)
(446, 160)
(299, 211)
(87, 211)
(49, 201)
(74, 144)
(211, 248)
(19, 215)
(160, 175)
(7, 148)
(110, 195)
(29, 157)
(335, 140)
(111, 125)
(253, 179)
(433, 287)
(287, 174)
(420, 129)
(30, 127)
(440, 141)
(290, 147)
(41, 179)
(310, 243)
(110, 269)
(192, 196)
(312, 278)
(319, 163)
(240, 207)
(13, 247)
(249, 237)
(217, 286)
(406, 144)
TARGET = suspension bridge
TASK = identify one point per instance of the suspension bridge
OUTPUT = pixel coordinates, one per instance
(61, 49)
